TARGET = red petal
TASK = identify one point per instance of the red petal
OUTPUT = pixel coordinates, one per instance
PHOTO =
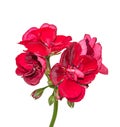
(65, 58)
(22, 63)
(97, 51)
(87, 37)
(92, 42)
(48, 33)
(30, 35)
(88, 64)
(57, 73)
(20, 71)
(71, 90)
(71, 55)
(87, 79)
(83, 47)
(34, 79)
(103, 69)
(75, 54)
(61, 42)
(36, 47)
(42, 62)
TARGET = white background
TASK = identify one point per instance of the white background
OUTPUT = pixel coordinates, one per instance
(99, 18)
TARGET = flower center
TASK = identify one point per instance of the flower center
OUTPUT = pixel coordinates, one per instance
(74, 73)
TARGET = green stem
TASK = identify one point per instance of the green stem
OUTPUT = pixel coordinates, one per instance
(48, 62)
(47, 72)
(55, 110)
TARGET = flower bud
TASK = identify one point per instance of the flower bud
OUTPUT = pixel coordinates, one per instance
(37, 93)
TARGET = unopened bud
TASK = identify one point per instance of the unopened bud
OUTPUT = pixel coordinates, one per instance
(37, 93)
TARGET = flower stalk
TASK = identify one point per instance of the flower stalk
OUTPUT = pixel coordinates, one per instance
(47, 72)
(55, 110)
(55, 107)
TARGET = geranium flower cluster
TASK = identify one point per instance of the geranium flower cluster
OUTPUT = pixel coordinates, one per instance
(79, 63)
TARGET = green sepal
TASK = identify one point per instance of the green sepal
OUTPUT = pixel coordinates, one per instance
(70, 104)
(51, 99)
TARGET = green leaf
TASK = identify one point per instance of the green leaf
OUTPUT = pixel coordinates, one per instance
(70, 104)
(51, 99)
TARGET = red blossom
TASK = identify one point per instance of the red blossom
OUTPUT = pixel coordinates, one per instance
(91, 47)
(73, 72)
(44, 40)
(30, 67)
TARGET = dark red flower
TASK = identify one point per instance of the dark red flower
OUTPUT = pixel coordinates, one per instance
(73, 72)
(91, 47)
(44, 40)
(30, 67)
